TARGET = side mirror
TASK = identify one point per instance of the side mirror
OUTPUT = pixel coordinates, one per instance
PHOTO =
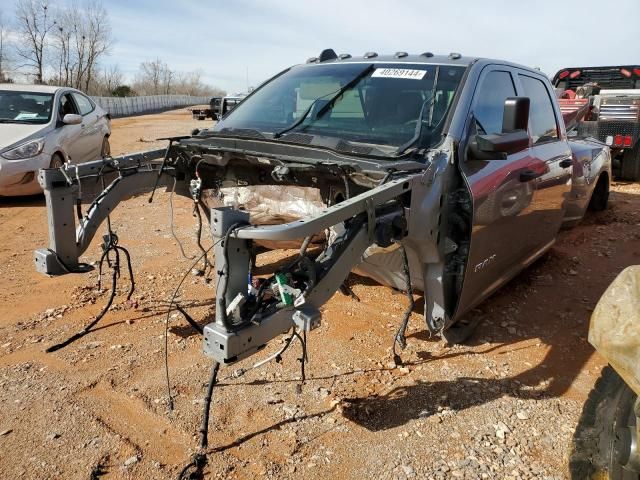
(516, 114)
(514, 136)
(72, 119)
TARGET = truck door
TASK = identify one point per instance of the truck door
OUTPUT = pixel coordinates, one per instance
(503, 191)
(550, 148)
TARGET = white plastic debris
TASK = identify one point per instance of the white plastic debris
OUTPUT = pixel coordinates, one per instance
(615, 326)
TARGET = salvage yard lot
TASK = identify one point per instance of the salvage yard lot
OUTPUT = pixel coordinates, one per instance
(503, 406)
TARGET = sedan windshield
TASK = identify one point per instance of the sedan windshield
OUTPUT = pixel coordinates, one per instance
(385, 105)
(25, 107)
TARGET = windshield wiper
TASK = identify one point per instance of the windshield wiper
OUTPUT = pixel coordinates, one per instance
(418, 132)
(329, 103)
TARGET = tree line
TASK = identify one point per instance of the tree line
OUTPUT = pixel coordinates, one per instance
(46, 43)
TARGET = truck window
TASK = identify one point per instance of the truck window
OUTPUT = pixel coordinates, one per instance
(496, 87)
(542, 120)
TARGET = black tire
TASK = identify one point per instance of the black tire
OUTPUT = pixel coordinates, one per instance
(630, 168)
(461, 331)
(105, 151)
(600, 196)
(56, 161)
(599, 443)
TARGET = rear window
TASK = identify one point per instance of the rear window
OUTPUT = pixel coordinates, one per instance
(542, 119)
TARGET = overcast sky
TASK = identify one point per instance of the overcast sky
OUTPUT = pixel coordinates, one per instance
(224, 39)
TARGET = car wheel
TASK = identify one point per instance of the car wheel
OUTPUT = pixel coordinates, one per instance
(604, 436)
(106, 148)
(630, 168)
(56, 161)
(600, 196)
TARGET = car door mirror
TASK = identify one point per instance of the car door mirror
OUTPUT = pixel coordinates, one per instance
(516, 114)
(514, 136)
(72, 119)
(498, 145)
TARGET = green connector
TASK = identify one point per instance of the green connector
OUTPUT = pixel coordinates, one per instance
(285, 296)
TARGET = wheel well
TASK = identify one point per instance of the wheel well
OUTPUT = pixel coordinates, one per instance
(603, 182)
(600, 194)
(604, 176)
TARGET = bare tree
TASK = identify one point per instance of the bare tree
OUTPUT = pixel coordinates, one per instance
(107, 80)
(81, 38)
(34, 22)
(190, 83)
(154, 78)
(97, 36)
(62, 44)
(4, 51)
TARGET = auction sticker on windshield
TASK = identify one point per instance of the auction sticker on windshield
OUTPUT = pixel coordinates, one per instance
(399, 73)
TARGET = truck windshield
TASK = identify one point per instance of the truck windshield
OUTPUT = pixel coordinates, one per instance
(25, 107)
(382, 108)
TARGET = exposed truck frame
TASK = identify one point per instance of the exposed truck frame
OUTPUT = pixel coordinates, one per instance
(374, 216)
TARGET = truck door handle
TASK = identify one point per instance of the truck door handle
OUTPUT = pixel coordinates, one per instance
(527, 175)
(566, 163)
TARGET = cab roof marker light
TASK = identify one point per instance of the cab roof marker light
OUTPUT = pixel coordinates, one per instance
(563, 74)
(344, 56)
(637, 71)
(370, 55)
(575, 74)
(401, 54)
(625, 72)
(426, 54)
(312, 60)
(327, 54)
(455, 56)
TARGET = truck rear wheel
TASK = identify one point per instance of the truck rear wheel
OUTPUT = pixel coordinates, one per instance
(603, 441)
(630, 168)
(600, 196)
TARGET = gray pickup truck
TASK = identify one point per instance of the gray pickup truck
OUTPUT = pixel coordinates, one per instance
(447, 174)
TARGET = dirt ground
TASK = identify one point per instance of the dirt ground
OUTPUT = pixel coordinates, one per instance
(503, 406)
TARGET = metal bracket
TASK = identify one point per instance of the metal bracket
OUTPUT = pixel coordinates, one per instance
(66, 244)
(371, 219)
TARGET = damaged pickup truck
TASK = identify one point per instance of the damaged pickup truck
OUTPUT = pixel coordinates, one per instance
(445, 174)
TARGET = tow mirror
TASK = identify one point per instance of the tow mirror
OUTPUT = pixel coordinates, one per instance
(514, 136)
(516, 114)
(72, 119)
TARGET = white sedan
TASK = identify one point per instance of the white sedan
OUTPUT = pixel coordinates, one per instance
(44, 126)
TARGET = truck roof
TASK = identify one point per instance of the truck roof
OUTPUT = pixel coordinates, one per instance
(405, 57)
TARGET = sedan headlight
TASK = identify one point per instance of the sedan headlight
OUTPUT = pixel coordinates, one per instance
(26, 150)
